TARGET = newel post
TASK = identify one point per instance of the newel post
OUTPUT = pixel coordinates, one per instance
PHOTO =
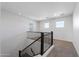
(42, 43)
(19, 53)
(51, 37)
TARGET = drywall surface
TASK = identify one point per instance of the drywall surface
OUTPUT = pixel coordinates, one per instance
(59, 33)
(76, 27)
(13, 35)
(0, 26)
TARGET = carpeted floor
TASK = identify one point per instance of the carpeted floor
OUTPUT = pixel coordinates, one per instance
(63, 49)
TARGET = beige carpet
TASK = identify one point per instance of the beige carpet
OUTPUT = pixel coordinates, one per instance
(63, 49)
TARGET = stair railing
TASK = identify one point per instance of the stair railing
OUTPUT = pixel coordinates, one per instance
(42, 44)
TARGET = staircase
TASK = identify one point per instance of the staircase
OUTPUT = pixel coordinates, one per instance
(40, 45)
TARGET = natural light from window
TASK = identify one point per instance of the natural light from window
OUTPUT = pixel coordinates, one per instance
(46, 25)
(60, 24)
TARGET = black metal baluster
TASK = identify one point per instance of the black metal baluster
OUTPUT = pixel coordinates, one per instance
(42, 43)
(19, 53)
(51, 37)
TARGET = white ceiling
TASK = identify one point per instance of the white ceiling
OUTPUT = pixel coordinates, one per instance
(40, 10)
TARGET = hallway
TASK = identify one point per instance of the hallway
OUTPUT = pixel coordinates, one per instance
(59, 18)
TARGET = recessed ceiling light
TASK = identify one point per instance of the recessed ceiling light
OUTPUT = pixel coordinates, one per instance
(20, 13)
(56, 14)
(59, 14)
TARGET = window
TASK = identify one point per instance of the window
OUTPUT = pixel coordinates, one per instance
(46, 25)
(60, 24)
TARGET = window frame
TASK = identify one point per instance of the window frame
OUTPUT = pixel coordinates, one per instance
(59, 24)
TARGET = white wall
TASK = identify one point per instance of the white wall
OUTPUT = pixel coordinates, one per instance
(0, 26)
(13, 33)
(59, 33)
(76, 28)
(38, 25)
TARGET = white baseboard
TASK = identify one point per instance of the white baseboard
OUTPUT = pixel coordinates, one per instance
(64, 40)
